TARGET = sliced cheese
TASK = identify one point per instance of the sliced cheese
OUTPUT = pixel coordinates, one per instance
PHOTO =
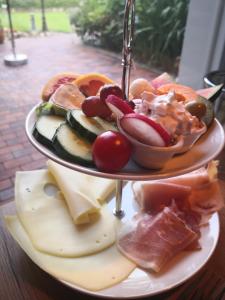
(49, 224)
(81, 207)
(95, 188)
(95, 272)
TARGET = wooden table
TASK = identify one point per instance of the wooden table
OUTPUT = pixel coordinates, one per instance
(21, 279)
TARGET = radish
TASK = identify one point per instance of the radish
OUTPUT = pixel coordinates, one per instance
(145, 130)
(118, 106)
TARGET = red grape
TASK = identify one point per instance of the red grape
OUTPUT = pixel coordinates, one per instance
(110, 89)
(93, 107)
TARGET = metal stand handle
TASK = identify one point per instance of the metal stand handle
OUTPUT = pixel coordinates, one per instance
(128, 33)
(119, 191)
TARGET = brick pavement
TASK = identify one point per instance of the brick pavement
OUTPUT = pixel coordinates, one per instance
(20, 89)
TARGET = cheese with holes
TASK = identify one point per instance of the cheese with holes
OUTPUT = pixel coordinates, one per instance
(49, 225)
(94, 272)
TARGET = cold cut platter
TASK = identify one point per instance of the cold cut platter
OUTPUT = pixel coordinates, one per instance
(138, 283)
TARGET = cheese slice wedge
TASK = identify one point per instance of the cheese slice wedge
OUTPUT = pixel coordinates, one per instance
(49, 225)
(94, 272)
(95, 188)
(81, 207)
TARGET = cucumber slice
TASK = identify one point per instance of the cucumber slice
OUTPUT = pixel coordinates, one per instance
(70, 146)
(45, 128)
(86, 127)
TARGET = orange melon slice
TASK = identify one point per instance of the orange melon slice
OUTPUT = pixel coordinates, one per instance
(89, 84)
(55, 82)
(183, 92)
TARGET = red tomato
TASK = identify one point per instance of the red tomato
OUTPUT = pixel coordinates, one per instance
(111, 151)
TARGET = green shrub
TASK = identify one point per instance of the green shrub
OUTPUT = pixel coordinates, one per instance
(99, 22)
(159, 31)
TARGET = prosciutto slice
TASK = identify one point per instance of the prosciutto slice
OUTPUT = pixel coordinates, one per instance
(197, 178)
(198, 190)
(155, 240)
(207, 199)
(153, 196)
(172, 211)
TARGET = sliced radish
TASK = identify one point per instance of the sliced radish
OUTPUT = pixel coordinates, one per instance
(145, 130)
(118, 106)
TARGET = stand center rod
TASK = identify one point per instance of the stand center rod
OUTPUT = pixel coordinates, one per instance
(128, 33)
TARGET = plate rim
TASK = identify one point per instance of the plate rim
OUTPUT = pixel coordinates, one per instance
(120, 175)
(157, 292)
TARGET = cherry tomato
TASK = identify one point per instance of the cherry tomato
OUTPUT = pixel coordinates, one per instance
(111, 151)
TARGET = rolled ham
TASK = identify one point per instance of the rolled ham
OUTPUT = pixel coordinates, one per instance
(207, 199)
(197, 178)
(198, 190)
(155, 195)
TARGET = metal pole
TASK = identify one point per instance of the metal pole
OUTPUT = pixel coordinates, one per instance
(12, 38)
(128, 33)
(119, 189)
(13, 59)
(44, 23)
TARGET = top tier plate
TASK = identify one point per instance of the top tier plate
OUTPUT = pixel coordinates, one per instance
(204, 150)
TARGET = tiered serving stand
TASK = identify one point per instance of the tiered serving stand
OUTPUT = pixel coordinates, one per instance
(140, 283)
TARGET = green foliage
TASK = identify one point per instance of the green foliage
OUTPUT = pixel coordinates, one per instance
(56, 21)
(26, 4)
(100, 22)
(160, 26)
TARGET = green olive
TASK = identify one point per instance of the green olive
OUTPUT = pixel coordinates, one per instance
(203, 109)
(209, 116)
(196, 108)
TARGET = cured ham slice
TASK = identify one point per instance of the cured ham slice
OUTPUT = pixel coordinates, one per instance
(155, 195)
(197, 178)
(207, 199)
(172, 211)
(155, 240)
(198, 190)
(192, 219)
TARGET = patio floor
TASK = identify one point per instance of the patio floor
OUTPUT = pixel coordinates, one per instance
(20, 89)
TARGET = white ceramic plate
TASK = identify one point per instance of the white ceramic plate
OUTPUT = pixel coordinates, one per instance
(204, 150)
(181, 268)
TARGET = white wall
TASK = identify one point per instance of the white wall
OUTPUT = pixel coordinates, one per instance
(204, 41)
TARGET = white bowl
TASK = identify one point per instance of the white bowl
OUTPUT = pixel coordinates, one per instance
(151, 157)
(191, 139)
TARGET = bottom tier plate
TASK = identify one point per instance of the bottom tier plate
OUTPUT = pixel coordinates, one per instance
(181, 268)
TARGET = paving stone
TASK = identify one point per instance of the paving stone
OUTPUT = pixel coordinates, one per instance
(5, 157)
(5, 184)
(21, 152)
(17, 162)
(6, 194)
